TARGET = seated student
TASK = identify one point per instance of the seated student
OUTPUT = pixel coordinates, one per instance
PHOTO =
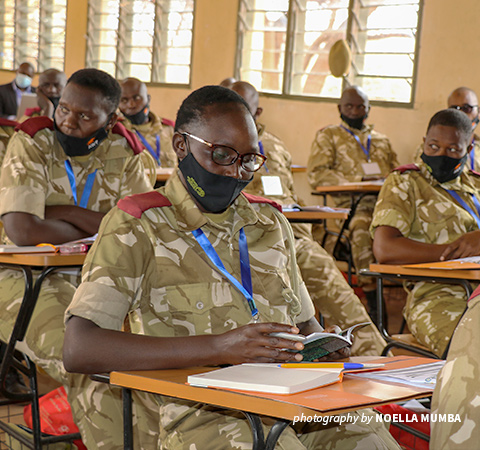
(45, 197)
(464, 99)
(11, 93)
(150, 264)
(456, 391)
(352, 152)
(430, 212)
(51, 84)
(329, 290)
(154, 132)
(7, 128)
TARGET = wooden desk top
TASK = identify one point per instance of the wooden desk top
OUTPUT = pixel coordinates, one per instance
(295, 168)
(43, 259)
(164, 173)
(313, 216)
(349, 395)
(463, 274)
(360, 187)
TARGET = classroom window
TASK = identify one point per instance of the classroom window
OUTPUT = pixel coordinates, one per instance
(32, 31)
(283, 46)
(146, 39)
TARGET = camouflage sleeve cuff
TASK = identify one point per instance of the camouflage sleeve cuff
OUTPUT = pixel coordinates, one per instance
(308, 310)
(390, 218)
(22, 199)
(101, 304)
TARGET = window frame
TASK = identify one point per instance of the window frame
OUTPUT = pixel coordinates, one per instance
(154, 56)
(289, 45)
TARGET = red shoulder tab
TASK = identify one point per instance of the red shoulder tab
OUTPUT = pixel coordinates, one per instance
(168, 122)
(475, 293)
(406, 167)
(35, 124)
(471, 171)
(131, 137)
(8, 123)
(30, 111)
(257, 199)
(136, 205)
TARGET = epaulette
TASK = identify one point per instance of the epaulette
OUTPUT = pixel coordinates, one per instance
(257, 199)
(33, 125)
(131, 137)
(475, 293)
(29, 111)
(475, 172)
(168, 122)
(137, 204)
(8, 123)
(406, 167)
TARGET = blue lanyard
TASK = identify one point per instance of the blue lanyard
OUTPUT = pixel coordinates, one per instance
(155, 154)
(87, 190)
(262, 151)
(462, 202)
(246, 287)
(472, 155)
(369, 141)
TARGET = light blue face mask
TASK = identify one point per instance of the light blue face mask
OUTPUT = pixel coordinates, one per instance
(23, 81)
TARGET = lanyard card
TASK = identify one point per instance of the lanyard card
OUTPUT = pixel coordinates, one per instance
(371, 168)
(272, 185)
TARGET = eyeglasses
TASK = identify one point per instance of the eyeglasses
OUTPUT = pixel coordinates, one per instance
(466, 108)
(226, 156)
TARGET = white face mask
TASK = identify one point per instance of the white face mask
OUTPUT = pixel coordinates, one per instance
(23, 81)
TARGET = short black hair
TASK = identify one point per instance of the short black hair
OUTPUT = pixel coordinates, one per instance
(452, 118)
(98, 80)
(193, 107)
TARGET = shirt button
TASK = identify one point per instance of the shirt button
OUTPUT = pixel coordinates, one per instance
(199, 305)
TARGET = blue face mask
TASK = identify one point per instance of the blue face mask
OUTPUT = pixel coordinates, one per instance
(23, 81)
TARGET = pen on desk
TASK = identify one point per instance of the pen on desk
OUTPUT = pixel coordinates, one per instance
(346, 366)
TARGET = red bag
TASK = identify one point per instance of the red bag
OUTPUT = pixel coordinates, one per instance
(55, 415)
(415, 420)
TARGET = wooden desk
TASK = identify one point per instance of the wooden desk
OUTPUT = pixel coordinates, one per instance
(313, 216)
(164, 173)
(362, 187)
(295, 168)
(352, 394)
(46, 263)
(459, 276)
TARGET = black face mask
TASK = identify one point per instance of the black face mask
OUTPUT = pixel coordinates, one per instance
(354, 123)
(74, 146)
(215, 193)
(140, 117)
(55, 101)
(444, 168)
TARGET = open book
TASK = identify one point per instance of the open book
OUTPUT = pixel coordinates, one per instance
(78, 246)
(268, 378)
(314, 208)
(320, 344)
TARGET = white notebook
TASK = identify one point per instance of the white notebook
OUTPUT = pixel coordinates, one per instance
(268, 378)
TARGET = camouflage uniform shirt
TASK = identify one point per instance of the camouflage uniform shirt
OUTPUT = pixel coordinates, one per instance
(157, 126)
(336, 157)
(34, 175)
(149, 266)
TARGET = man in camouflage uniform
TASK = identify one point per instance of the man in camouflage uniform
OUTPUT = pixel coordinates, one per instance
(422, 215)
(38, 204)
(7, 128)
(352, 152)
(154, 132)
(327, 287)
(464, 99)
(182, 311)
(456, 391)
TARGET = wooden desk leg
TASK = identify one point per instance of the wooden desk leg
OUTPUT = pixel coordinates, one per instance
(259, 441)
(127, 419)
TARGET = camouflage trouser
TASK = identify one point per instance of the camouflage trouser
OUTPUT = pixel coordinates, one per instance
(432, 313)
(216, 429)
(332, 295)
(361, 242)
(457, 388)
(96, 408)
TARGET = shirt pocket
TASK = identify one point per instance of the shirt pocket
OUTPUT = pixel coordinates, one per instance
(199, 308)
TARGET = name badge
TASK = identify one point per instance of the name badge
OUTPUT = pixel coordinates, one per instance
(272, 185)
(371, 168)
